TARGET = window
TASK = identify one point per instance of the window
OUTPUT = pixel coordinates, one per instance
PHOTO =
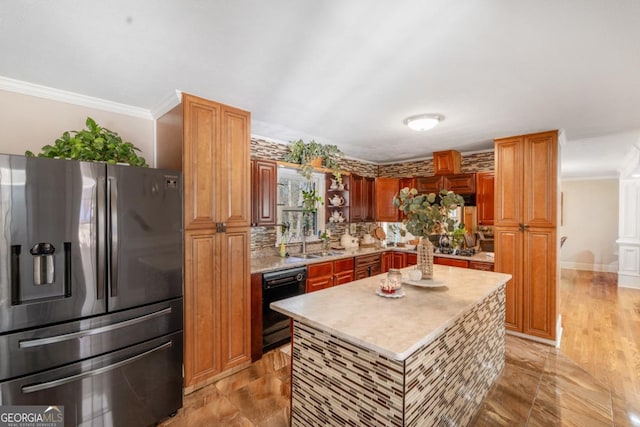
(289, 206)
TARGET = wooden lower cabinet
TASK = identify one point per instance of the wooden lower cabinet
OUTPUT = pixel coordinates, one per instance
(319, 276)
(367, 266)
(386, 261)
(343, 271)
(452, 262)
(508, 260)
(217, 330)
(412, 259)
(399, 260)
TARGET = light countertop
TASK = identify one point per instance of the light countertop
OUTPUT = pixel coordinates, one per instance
(393, 327)
(274, 263)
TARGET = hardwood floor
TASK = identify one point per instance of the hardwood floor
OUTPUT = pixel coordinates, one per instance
(592, 380)
(602, 334)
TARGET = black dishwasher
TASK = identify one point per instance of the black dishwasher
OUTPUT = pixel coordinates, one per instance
(277, 286)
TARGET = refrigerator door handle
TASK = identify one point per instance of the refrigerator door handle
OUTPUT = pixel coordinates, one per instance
(79, 334)
(101, 237)
(112, 189)
(94, 372)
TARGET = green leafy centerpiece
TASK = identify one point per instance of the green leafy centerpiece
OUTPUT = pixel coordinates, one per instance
(427, 214)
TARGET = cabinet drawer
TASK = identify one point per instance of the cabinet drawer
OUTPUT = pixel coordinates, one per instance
(343, 277)
(341, 265)
(477, 265)
(365, 260)
(320, 269)
(453, 262)
(317, 283)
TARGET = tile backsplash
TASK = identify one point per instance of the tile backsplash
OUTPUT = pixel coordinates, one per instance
(263, 239)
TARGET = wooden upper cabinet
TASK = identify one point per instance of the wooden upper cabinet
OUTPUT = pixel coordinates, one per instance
(201, 154)
(540, 179)
(233, 167)
(509, 181)
(386, 189)
(369, 193)
(446, 162)
(484, 197)
(462, 183)
(264, 178)
(356, 206)
(429, 184)
(526, 162)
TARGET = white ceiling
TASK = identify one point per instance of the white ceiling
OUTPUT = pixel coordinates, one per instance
(348, 72)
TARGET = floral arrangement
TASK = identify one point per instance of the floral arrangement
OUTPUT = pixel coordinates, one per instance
(427, 214)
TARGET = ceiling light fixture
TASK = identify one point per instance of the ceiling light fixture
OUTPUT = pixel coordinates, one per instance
(423, 121)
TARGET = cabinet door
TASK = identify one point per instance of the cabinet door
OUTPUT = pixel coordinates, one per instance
(343, 265)
(484, 197)
(386, 189)
(399, 260)
(540, 179)
(356, 209)
(263, 203)
(343, 277)
(412, 259)
(463, 183)
(508, 259)
(235, 298)
(446, 162)
(375, 269)
(387, 261)
(232, 166)
(509, 181)
(201, 156)
(429, 184)
(539, 285)
(201, 316)
(369, 196)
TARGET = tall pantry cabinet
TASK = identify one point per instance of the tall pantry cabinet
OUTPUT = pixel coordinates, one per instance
(526, 242)
(209, 142)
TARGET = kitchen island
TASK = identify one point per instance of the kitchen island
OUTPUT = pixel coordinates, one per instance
(427, 358)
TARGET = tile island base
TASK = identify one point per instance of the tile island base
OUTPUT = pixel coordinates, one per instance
(340, 380)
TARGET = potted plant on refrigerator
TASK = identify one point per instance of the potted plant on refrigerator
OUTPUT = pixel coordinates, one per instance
(95, 143)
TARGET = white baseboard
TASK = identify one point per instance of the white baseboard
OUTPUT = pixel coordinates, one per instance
(628, 281)
(585, 266)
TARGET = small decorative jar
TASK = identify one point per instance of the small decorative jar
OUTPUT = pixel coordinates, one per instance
(394, 277)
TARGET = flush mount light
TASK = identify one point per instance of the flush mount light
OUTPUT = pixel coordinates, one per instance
(423, 121)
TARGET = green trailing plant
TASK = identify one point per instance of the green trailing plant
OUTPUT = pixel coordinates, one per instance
(427, 214)
(310, 200)
(95, 143)
(303, 153)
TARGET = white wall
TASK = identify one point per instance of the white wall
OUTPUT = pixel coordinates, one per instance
(590, 222)
(29, 122)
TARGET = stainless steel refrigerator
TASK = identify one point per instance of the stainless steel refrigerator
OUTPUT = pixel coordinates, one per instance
(91, 289)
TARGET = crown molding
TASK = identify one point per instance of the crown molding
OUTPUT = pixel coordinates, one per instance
(168, 103)
(45, 92)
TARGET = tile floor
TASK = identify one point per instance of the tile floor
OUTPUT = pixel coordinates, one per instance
(539, 386)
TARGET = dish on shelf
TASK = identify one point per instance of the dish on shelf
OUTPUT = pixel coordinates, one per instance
(399, 293)
(425, 283)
